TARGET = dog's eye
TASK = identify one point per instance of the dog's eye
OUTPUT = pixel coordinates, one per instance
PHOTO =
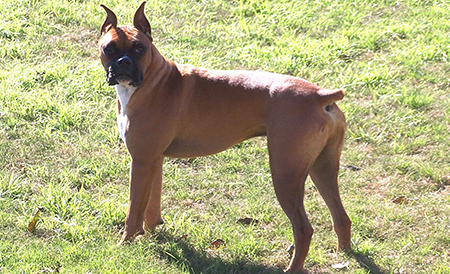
(139, 49)
(109, 49)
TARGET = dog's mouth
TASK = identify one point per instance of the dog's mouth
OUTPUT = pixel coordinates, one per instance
(125, 79)
(125, 76)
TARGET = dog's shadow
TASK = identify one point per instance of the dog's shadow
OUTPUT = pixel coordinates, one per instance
(182, 254)
(179, 252)
(366, 262)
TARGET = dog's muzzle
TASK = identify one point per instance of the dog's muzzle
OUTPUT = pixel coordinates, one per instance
(124, 70)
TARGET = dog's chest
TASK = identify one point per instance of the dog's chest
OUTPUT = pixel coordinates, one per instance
(124, 93)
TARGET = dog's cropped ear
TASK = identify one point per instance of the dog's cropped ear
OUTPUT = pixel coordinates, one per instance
(110, 22)
(141, 23)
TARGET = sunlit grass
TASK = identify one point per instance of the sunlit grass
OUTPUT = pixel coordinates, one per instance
(61, 150)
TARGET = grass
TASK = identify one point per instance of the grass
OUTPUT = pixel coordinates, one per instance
(61, 149)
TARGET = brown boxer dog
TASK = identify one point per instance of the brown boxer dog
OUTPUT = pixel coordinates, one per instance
(170, 110)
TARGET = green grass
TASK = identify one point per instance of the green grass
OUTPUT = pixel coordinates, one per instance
(60, 147)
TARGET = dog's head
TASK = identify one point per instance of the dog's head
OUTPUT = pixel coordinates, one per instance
(125, 50)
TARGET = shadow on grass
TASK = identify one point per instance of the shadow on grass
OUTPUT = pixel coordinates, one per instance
(188, 258)
(366, 262)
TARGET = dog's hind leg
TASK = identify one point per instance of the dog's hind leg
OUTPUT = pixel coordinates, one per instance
(324, 173)
(291, 156)
(289, 188)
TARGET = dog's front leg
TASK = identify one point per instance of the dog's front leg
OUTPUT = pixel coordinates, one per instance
(141, 177)
(153, 213)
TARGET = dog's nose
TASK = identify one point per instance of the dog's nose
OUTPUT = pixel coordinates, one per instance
(124, 61)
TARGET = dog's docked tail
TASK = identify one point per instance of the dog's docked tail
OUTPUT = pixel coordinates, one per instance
(327, 96)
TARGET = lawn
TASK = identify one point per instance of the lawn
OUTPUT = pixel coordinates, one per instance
(61, 150)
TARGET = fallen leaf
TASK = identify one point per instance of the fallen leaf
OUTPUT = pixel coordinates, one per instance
(353, 168)
(32, 224)
(216, 244)
(340, 265)
(400, 200)
(247, 221)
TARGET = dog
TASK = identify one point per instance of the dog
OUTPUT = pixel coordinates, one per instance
(170, 110)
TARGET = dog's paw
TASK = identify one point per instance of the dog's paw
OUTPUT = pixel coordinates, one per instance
(151, 226)
(126, 238)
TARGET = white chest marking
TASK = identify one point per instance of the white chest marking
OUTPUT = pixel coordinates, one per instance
(124, 92)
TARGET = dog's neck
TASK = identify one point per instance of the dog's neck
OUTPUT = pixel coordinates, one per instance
(158, 69)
